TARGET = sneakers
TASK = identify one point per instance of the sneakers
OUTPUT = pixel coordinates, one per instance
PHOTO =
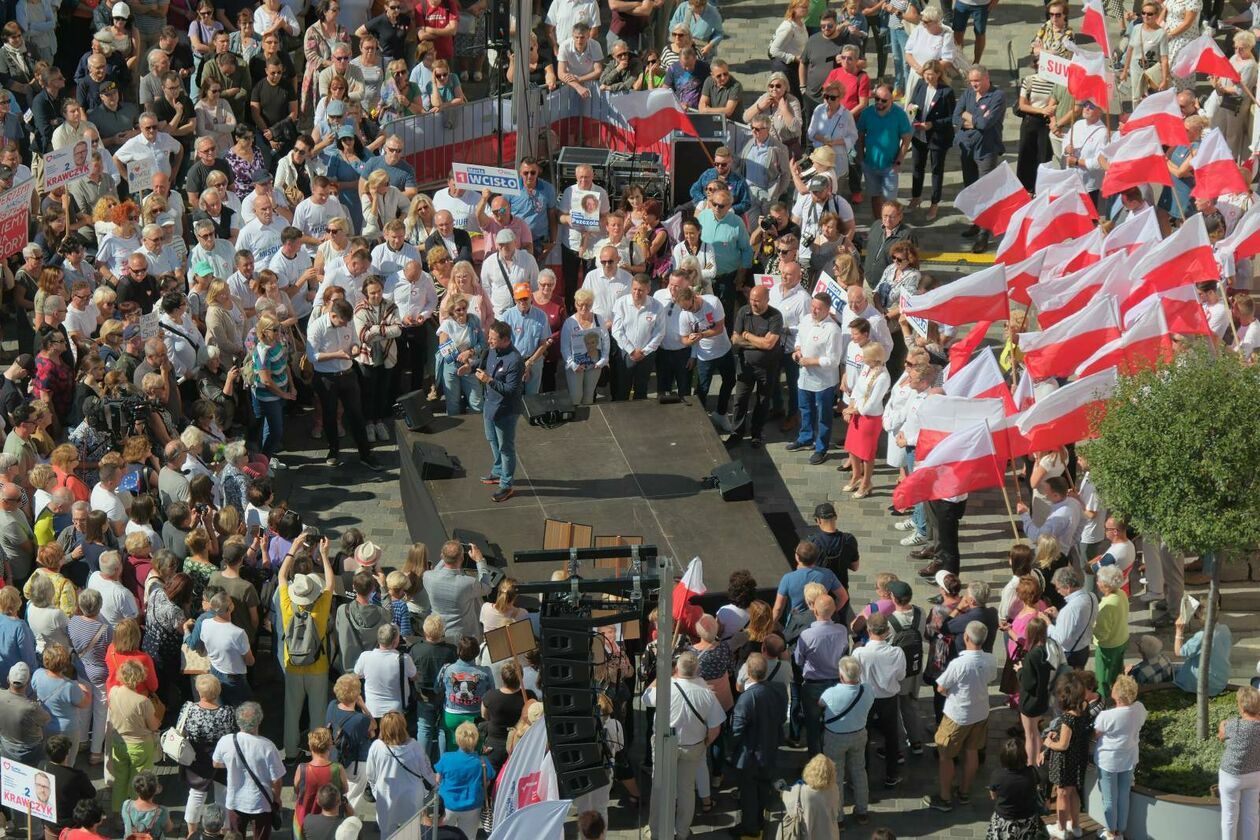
(906, 524)
(1056, 832)
(913, 538)
(332, 461)
(817, 458)
(963, 798)
(944, 805)
(370, 431)
(372, 464)
(503, 495)
(893, 781)
(489, 479)
(382, 433)
(276, 464)
(796, 446)
(722, 422)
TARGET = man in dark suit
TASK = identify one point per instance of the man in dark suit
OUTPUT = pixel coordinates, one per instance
(756, 733)
(456, 241)
(504, 378)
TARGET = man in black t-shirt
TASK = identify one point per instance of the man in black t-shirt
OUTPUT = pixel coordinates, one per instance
(837, 550)
(757, 336)
(71, 784)
(323, 826)
(273, 104)
(390, 30)
(204, 163)
(13, 389)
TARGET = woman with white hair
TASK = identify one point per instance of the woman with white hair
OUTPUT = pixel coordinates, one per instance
(716, 666)
(584, 345)
(815, 800)
(194, 440)
(1233, 116)
(931, 40)
(1111, 630)
(783, 109)
(90, 636)
(1239, 775)
(1154, 668)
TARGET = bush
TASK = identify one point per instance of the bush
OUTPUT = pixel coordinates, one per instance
(1173, 758)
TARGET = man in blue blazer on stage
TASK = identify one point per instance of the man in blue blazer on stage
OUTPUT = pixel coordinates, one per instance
(503, 376)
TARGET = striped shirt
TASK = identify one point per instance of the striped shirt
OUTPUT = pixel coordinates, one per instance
(276, 360)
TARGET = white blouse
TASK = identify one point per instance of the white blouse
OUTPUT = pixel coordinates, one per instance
(868, 394)
(925, 46)
(788, 43)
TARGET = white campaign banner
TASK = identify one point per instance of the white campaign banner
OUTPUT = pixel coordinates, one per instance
(24, 788)
(1054, 67)
(67, 164)
(493, 178)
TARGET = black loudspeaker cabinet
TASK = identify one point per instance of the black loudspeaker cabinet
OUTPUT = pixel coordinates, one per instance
(435, 462)
(559, 643)
(567, 730)
(571, 701)
(416, 410)
(734, 482)
(574, 783)
(689, 161)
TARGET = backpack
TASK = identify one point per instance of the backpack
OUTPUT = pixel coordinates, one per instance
(910, 640)
(793, 825)
(302, 638)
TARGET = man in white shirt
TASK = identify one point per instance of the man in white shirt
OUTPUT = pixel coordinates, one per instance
(295, 272)
(460, 203)
(579, 60)
(697, 717)
(261, 237)
(331, 346)
(1084, 143)
(818, 354)
(673, 358)
(638, 328)
(160, 258)
(1121, 552)
(608, 283)
(965, 727)
(227, 648)
(883, 668)
(151, 148)
(117, 602)
(411, 289)
(380, 670)
(211, 249)
(791, 299)
(1214, 309)
(1073, 626)
(105, 496)
(81, 314)
(314, 212)
(508, 266)
(245, 800)
(265, 185)
(703, 328)
(349, 272)
(576, 241)
(394, 251)
(860, 306)
(1063, 522)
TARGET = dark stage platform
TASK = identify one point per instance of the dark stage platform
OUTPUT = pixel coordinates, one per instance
(624, 468)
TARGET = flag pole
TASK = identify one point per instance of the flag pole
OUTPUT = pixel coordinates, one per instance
(1010, 512)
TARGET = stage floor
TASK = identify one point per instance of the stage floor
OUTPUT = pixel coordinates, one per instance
(624, 468)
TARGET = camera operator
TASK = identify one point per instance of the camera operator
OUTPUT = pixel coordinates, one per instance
(776, 222)
(153, 418)
(157, 361)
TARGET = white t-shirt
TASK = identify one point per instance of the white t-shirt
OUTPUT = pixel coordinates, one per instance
(263, 759)
(564, 13)
(704, 318)
(312, 219)
(287, 273)
(380, 670)
(147, 530)
(1116, 749)
(226, 646)
(109, 503)
(82, 322)
(117, 602)
(580, 63)
(460, 207)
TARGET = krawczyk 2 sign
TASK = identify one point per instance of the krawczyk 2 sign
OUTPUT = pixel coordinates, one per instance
(28, 790)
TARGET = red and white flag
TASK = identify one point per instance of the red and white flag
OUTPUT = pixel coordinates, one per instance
(1090, 78)
(960, 351)
(1008, 440)
(1183, 313)
(1074, 254)
(1069, 414)
(686, 614)
(1094, 24)
(1215, 171)
(980, 378)
(528, 776)
(540, 821)
(1013, 248)
(652, 115)
(1024, 395)
(964, 462)
(1202, 55)
(1054, 181)
(1066, 217)
(1142, 345)
(1159, 110)
(1244, 242)
(1023, 274)
(1060, 298)
(1060, 349)
(940, 415)
(1137, 159)
(977, 297)
(1141, 228)
(990, 201)
(1183, 258)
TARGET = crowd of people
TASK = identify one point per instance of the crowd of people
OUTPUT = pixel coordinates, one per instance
(249, 258)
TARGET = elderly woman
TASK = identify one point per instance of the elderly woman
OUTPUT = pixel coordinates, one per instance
(90, 638)
(62, 695)
(1233, 116)
(1181, 24)
(1111, 631)
(51, 558)
(161, 425)
(352, 727)
(817, 799)
(1117, 736)
(377, 326)
(1239, 774)
(1154, 667)
(1054, 36)
(462, 780)
(205, 722)
(584, 345)
(1145, 63)
(703, 22)
(716, 666)
(901, 278)
(134, 721)
(783, 109)
(865, 413)
(400, 772)
(1187, 676)
(46, 621)
(931, 40)
(462, 345)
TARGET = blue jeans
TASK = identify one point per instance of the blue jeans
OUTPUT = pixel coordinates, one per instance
(457, 386)
(271, 412)
(918, 514)
(427, 729)
(899, 39)
(817, 408)
(1115, 789)
(501, 432)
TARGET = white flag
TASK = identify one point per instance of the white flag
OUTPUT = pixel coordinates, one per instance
(529, 775)
(540, 821)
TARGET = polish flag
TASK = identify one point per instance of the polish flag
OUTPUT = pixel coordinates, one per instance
(991, 200)
(1141, 228)
(1065, 217)
(686, 614)
(1160, 111)
(960, 351)
(1215, 171)
(1138, 159)
(1013, 248)
(977, 297)
(1145, 343)
(1059, 350)
(1053, 181)
(527, 777)
(941, 415)
(1023, 274)
(540, 820)
(963, 462)
(1244, 242)
(1094, 24)
(1024, 395)
(652, 115)
(1183, 258)
(981, 378)
(1059, 298)
(1182, 311)
(1202, 55)
(1089, 78)
(1074, 254)
(1008, 440)
(1069, 414)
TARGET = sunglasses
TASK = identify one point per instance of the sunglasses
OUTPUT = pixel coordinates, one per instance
(1056, 14)
(719, 206)
(882, 100)
(831, 97)
(441, 75)
(621, 55)
(775, 85)
(441, 260)
(607, 262)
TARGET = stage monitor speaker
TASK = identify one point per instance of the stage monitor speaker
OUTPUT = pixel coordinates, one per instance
(572, 702)
(733, 482)
(550, 409)
(416, 410)
(567, 730)
(435, 462)
(574, 783)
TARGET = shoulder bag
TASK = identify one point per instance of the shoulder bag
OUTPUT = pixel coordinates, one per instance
(861, 690)
(277, 815)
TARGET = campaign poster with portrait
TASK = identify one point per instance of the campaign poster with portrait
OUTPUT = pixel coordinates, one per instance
(24, 788)
(584, 211)
(585, 347)
(67, 164)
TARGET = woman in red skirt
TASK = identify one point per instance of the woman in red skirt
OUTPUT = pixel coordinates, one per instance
(865, 413)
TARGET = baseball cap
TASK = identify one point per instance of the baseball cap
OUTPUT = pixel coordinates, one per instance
(819, 183)
(26, 362)
(826, 510)
(948, 581)
(120, 10)
(131, 332)
(336, 108)
(345, 131)
(505, 237)
(900, 590)
(521, 291)
(262, 176)
(203, 268)
(109, 87)
(20, 674)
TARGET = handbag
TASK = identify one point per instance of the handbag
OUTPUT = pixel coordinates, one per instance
(1009, 683)
(175, 744)
(277, 812)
